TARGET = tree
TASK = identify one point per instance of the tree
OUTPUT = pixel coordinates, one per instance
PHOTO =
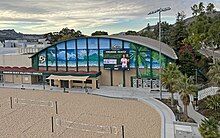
(99, 33)
(169, 78)
(178, 32)
(195, 10)
(198, 32)
(209, 128)
(210, 8)
(201, 8)
(214, 36)
(214, 73)
(185, 87)
(64, 34)
(131, 32)
(190, 59)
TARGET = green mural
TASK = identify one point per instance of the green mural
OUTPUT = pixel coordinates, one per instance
(140, 57)
(51, 57)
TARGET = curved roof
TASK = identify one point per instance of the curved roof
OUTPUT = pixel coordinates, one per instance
(150, 43)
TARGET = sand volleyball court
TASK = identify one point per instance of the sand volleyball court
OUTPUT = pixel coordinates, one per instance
(79, 116)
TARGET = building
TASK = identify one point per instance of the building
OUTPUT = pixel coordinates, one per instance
(40, 43)
(15, 43)
(122, 60)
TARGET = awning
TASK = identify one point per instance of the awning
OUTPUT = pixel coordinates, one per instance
(75, 78)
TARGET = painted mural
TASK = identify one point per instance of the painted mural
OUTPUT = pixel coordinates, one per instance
(140, 56)
(51, 55)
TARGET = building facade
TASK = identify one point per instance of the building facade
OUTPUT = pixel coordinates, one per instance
(85, 57)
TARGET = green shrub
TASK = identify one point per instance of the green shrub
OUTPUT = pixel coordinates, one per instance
(213, 102)
(209, 128)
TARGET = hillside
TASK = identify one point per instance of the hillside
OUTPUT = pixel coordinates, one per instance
(187, 21)
(11, 34)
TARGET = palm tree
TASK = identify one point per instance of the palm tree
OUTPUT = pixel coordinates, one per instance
(209, 128)
(169, 78)
(214, 74)
(210, 8)
(195, 10)
(201, 7)
(185, 87)
(138, 54)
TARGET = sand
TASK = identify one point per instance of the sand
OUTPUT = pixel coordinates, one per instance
(79, 116)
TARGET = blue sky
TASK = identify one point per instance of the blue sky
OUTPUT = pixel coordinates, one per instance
(113, 16)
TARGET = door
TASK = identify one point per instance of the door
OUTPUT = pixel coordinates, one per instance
(64, 83)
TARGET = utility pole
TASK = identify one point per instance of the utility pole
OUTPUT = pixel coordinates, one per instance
(160, 70)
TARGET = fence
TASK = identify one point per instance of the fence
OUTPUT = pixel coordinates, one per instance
(206, 92)
(33, 102)
(94, 128)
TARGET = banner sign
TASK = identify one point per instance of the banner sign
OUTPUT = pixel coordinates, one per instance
(22, 73)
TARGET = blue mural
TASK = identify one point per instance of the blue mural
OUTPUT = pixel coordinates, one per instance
(71, 53)
(82, 57)
(93, 57)
(71, 57)
(61, 54)
(139, 55)
(51, 55)
(116, 44)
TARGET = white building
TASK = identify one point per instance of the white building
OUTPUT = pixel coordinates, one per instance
(15, 43)
(24, 43)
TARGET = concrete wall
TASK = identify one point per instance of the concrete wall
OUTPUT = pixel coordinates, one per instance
(15, 60)
(18, 79)
(8, 78)
(105, 78)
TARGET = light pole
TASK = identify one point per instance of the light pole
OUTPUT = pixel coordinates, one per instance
(153, 12)
(196, 99)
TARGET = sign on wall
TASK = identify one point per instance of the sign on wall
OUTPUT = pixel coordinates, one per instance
(116, 59)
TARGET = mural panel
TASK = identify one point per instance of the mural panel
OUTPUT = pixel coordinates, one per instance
(116, 44)
(71, 57)
(127, 45)
(71, 53)
(51, 55)
(92, 43)
(82, 57)
(61, 54)
(104, 45)
(42, 59)
(81, 43)
(93, 57)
